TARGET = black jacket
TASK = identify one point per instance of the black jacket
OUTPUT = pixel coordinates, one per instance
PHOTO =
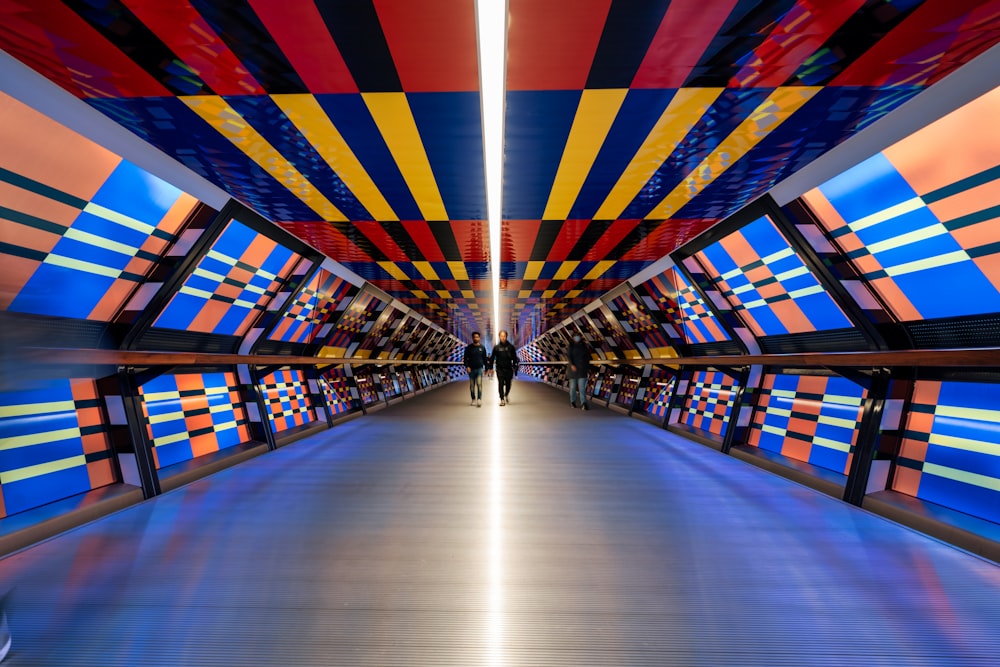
(578, 355)
(476, 356)
(504, 357)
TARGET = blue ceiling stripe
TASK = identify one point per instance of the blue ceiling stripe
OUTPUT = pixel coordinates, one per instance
(168, 124)
(537, 126)
(636, 118)
(450, 126)
(271, 123)
(724, 116)
(350, 116)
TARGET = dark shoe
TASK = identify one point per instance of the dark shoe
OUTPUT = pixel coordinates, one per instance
(573, 404)
(586, 407)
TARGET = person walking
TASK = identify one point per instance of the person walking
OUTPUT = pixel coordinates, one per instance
(476, 360)
(578, 367)
(504, 362)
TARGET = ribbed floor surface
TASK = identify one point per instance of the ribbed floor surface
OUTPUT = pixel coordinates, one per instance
(434, 533)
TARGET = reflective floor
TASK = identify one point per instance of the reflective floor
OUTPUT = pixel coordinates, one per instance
(435, 533)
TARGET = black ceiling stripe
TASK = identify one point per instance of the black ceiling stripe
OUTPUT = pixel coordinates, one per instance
(122, 28)
(445, 238)
(355, 27)
(245, 35)
(628, 32)
(548, 232)
(592, 234)
(397, 232)
(635, 235)
(355, 236)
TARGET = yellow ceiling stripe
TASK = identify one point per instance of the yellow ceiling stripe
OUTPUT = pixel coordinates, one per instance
(426, 270)
(685, 109)
(394, 119)
(458, 270)
(216, 112)
(594, 117)
(533, 269)
(565, 269)
(599, 270)
(314, 124)
(775, 110)
(393, 270)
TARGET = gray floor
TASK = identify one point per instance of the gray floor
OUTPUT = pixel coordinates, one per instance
(435, 533)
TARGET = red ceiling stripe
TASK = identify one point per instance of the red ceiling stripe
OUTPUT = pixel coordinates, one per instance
(799, 35)
(612, 236)
(432, 43)
(472, 238)
(666, 238)
(187, 34)
(569, 234)
(300, 31)
(81, 60)
(517, 239)
(377, 235)
(686, 30)
(551, 45)
(422, 235)
(906, 47)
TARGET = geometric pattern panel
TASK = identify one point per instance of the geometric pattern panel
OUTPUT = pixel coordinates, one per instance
(374, 344)
(708, 402)
(950, 454)
(53, 444)
(656, 398)
(681, 304)
(766, 283)
(648, 333)
(316, 304)
(337, 392)
(286, 395)
(615, 342)
(353, 326)
(808, 418)
(80, 228)
(921, 220)
(232, 285)
(192, 414)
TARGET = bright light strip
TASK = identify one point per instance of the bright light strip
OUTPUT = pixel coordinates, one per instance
(491, 24)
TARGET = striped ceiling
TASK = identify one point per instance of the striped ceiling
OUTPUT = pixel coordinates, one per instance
(631, 126)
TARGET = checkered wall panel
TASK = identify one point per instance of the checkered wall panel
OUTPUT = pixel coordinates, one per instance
(193, 414)
(232, 284)
(950, 453)
(337, 391)
(680, 304)
(648, 329)
(53, 444)
(656, 398)
(286, 396)
(318, 303)
(353, 326)
(808, 418)
(709, 401)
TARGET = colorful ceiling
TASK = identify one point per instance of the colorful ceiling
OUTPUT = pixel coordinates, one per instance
(630, 126)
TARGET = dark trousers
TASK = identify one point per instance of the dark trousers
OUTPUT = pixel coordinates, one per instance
(504, 378)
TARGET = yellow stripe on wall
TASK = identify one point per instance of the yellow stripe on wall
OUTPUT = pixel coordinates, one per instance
(25, 409)
(308, 116)
(686, 108)
(594, 116)
(766, 118)
(230, 124)
(28, 472)
(392, 115)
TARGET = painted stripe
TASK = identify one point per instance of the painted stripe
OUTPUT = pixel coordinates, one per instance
(85, 267)
(26, 409)
(219, 114)
(40, 469)
(976, 414)
(155, 396)
(890, 213)
(100, 242)
(30, 439)
(191, 291)
(687, 29)
(768, 116)
(832, 444)
(426, 270)
(595, 115)
(599, 270)
(171, 439)
(971, 478)
(393, 270)
(315, 125)
(965, 444)
(166, 417)
(917, 235)
(915, 266)
(839, 422)
(685, 109)
(392, 115)
(119, 218)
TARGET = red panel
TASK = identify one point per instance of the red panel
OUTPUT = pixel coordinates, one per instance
(328, 240)
(517, 239)
(472, 237)
(666, 238)
(300, 31)
(569, 234)
(551, 45)
(687, 28)
(377, 235)
(611, 238)
(433, 44)
(797, 37)
(84, 62)
(904, 51)
(186, 33)
(421, 234)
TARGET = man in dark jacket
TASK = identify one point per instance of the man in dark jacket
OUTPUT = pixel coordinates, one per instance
(504, 362)
(577, 370)
(476, 360)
